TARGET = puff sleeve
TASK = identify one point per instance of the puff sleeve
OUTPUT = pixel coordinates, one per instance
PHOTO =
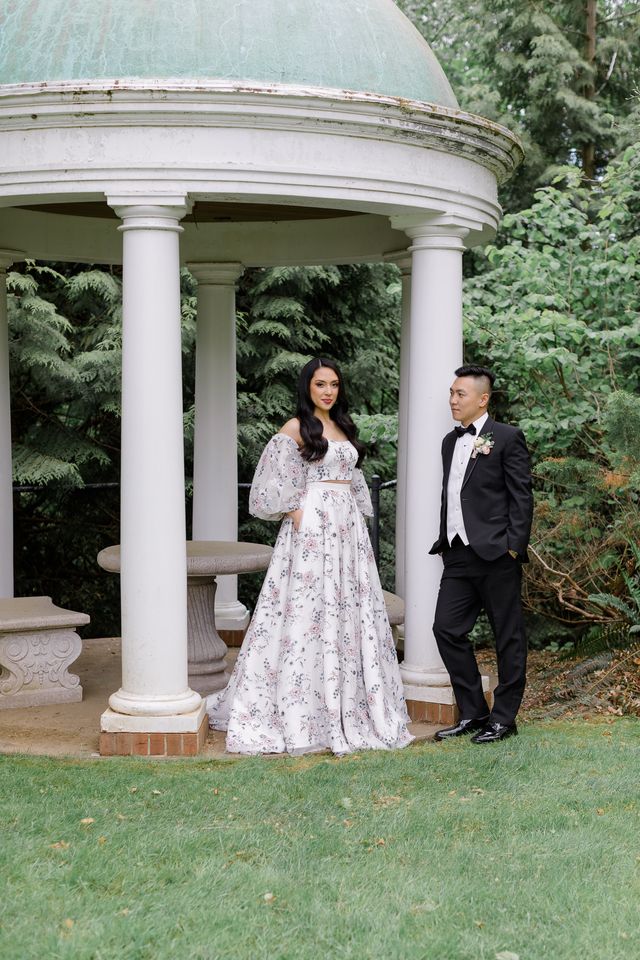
(279, 481)
(361, 494)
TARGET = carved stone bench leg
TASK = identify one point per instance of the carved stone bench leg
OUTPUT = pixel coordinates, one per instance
(35, 668)
(38, 644)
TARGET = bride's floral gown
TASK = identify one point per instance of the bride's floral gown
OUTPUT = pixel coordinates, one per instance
(318, 667)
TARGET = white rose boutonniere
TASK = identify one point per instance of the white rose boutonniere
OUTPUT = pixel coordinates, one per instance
(482, 444)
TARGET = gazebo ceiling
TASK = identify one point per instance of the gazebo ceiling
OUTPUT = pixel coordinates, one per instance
(204, 211)
(356, 45)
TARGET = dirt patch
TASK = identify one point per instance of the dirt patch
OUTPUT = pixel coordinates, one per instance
(73, 729)
(607, 683)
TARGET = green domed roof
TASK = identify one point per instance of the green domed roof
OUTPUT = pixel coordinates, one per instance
(361, 45)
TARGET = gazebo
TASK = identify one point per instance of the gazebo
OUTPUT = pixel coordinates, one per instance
(224, 134)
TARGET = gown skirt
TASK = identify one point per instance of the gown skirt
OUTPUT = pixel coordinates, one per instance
(318, 668)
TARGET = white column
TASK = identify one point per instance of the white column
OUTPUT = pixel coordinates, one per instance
(435, 332)
(7, 257)
(153, 531)
(403, 426)
(215, 455)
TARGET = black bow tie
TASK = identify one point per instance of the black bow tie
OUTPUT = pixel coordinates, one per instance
(460, 431)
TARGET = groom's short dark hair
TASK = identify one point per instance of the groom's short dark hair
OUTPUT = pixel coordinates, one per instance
(476, 371)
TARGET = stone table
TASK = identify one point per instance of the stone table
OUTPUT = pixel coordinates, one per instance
(206, 559)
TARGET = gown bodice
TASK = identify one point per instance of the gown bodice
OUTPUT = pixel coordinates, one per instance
(282, 477)
(338, 463)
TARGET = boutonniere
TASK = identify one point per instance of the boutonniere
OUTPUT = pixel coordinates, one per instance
(482, 444)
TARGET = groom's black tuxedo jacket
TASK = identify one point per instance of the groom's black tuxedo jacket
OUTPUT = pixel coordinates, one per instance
(496, 497)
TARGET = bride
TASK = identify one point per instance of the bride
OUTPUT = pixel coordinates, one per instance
(317, 668)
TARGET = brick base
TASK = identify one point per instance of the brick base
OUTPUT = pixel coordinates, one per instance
(154, 744)
(445, 714)
(232, 638)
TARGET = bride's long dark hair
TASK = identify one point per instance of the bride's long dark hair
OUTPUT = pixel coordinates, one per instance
(314, 445)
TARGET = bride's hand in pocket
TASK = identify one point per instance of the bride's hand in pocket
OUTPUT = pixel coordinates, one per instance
(296, 516)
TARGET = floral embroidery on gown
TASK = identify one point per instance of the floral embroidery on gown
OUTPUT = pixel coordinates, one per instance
(318, 667)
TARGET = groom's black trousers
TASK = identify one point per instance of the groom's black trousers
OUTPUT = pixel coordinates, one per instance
(469, 584)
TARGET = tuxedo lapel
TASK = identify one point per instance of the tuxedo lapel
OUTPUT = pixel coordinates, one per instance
(487, 428)
(447, 456)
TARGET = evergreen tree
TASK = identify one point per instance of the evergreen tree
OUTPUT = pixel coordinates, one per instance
(65, 341)
(557, 316)
(65, 348)
(562, 75)
(289, 314)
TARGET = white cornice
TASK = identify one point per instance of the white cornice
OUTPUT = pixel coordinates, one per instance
(182, 103)
(213, 182)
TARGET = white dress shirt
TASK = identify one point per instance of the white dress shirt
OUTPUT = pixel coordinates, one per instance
(461, 456)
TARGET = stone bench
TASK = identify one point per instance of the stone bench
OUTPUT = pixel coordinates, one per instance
(395, 608)
(38, 643)
(395, 612)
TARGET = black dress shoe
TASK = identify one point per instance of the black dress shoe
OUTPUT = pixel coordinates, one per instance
(461, 728)
(494, 731)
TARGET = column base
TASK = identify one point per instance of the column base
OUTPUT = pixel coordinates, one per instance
(179, 735)
(232, 621)
(231, 615)
(124, 703)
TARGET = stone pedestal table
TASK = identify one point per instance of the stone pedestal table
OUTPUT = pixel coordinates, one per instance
(206, 559)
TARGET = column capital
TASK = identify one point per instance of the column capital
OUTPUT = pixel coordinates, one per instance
(155, 212)
(216, 274)
(441, 232)
(7, 257)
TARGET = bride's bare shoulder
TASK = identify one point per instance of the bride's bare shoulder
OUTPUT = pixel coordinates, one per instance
(292, 429)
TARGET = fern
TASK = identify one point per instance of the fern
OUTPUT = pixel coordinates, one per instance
(624, 612)
(611, 636)
(610, 603)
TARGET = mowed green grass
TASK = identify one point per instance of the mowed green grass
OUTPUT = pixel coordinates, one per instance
(529, 848)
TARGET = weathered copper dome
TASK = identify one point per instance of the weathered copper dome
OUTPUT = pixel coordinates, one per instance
(359, 45)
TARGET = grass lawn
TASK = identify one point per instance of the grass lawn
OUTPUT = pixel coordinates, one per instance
(529, 849)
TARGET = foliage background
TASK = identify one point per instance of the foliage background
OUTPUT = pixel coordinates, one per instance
(552, 306)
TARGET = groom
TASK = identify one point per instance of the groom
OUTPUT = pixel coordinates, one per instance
(485, 522)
